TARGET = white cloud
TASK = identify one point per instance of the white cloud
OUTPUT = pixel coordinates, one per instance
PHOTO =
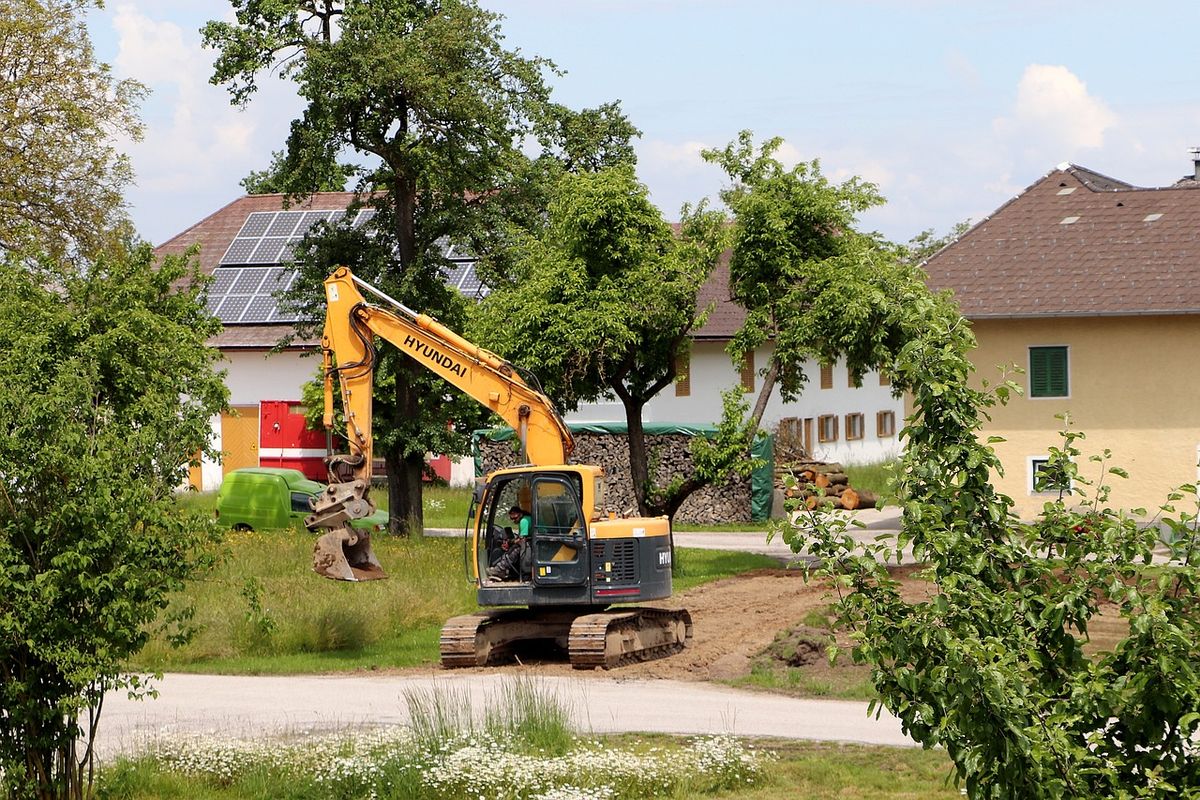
(197, 147)
(679, 155)
(1053, 107)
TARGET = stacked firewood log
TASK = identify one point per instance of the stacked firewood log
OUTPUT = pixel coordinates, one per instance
(670, 459)
(821, 482)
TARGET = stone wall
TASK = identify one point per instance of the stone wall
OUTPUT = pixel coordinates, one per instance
(670, 458)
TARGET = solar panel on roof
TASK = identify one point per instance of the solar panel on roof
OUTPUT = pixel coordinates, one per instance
(239, 251)
(280, 228)
(222, 280)
(456, 273)
(257, 223)
(232, 307)
(248, 280)
(268, 251)
(259, 309)
(285, 222)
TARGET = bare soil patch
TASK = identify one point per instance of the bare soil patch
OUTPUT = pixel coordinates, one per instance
(734, 620)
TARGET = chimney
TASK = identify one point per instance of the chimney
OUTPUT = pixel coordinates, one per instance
(1195, 151)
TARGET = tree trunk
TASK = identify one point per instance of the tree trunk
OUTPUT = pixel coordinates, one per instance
(639, 469)
(405, 470)
(764, 393)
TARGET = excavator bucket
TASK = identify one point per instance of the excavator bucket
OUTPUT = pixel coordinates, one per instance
(345, 554)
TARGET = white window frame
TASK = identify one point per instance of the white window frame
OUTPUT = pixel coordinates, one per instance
(1030, 463)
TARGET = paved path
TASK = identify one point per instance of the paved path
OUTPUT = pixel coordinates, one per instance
(241, 706)
(874, 523)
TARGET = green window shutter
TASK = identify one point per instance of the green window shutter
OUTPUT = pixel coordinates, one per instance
(1048, 372)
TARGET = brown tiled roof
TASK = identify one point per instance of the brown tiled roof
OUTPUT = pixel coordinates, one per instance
(1078, 243)
(216, 231)
(726, 315)
(257, 337)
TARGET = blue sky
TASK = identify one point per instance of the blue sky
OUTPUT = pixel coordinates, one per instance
(950, 107)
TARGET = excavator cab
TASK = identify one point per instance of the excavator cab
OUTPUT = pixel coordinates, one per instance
(556, 550)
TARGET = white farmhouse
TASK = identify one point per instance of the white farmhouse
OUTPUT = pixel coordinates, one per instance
(246, 243)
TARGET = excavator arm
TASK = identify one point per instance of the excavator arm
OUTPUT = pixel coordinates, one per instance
(348, 345)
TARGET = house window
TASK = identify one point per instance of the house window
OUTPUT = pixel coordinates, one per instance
(850, 382)
(854, 426)
(884, 380)
(885, 424)
(827, 428)
(1048, 372)
(683, 375)
(827, 376)
(748, 371)
(1042, 481)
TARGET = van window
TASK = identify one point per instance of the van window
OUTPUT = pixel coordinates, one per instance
(302, 501)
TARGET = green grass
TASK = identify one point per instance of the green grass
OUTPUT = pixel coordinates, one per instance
(662, 766)
(832, 771)
(263, 611)
(874, 478)
(695, 566)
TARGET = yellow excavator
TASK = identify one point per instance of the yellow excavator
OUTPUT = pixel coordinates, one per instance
(576, 560)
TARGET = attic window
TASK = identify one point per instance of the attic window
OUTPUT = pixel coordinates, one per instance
(1152, 217)
(1069, 220)
(1067, 190)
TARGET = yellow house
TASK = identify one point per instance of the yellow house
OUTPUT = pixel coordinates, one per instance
(1092, 287)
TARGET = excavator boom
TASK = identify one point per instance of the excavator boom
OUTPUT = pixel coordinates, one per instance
(351, 325)
(557, 573)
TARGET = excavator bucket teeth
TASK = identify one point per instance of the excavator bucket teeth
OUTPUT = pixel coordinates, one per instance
(344, 554)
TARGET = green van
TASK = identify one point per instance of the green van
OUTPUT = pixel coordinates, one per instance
(265, 498)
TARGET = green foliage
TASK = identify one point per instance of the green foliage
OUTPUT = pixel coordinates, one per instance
(991, 666)
(427, 92)
(812, 285)
(60, 177)
(604, 300)
(107, 389)
(283, 177)
(927, 242)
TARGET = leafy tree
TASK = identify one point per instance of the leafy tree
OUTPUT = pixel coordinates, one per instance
(426, 90)
(927, 242)
(280, 177)
(991, 663)
(107, 389)
(60, 177)
(605, 299)
(811, 284)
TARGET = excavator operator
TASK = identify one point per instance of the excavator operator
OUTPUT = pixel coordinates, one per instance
(515, 560)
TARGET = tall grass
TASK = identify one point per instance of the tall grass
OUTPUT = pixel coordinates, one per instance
(875, 478)
(262, 610)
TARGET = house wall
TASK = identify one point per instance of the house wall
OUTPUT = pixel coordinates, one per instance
(712, 372)
(1132, 390)
(253, 376)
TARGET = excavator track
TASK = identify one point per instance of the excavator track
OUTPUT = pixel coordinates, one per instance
(601, 639)
(626, 635)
